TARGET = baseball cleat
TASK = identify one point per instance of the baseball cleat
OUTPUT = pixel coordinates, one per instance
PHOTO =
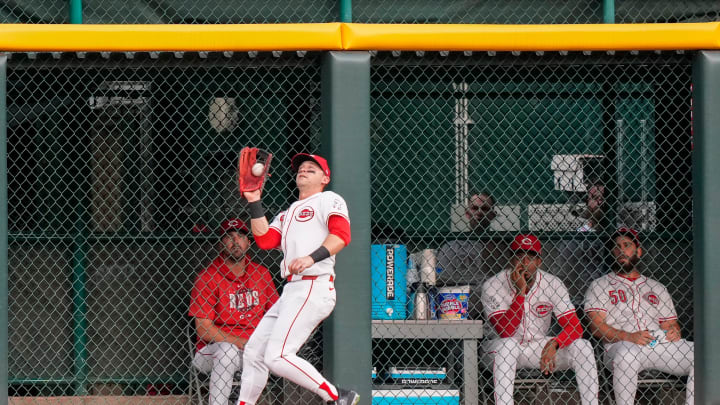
(347, 397)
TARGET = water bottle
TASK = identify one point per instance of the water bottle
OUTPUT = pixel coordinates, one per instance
(421, 307)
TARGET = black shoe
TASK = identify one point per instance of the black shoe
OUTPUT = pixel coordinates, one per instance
(347, 397)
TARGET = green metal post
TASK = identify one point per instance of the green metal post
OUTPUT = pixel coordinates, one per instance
(346, 11)
(4, 238)
(609, 11)
(706, 223)
(80, 296)
(346, 143)
(76, 14)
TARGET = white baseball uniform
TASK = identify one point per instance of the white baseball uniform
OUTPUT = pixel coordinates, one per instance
(307, 299)
(634, 306)
(547, 296)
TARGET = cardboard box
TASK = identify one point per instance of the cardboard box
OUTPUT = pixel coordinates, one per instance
(389, 266)
(415, 397)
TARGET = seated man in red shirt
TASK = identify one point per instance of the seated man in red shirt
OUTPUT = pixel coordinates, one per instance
(228, 300)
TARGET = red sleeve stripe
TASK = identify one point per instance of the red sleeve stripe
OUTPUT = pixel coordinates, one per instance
(668, 319)
(339, 215)
(566, 312)
(596, 310)
(496, 313)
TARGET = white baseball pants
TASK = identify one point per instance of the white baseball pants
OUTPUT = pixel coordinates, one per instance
(221, 360)
(627, 359)
(506, 355)
(303, 305)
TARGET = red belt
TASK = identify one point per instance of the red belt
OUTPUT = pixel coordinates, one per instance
(295, 277)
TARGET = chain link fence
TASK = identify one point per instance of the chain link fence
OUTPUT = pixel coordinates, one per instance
(121, 168)
(471, 150)
(120, 174)
(409, 12)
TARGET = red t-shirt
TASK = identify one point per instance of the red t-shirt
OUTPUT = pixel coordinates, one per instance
(235, 304)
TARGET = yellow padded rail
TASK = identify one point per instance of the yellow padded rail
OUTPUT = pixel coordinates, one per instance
(361, 37)
(167, 37)
(575, 37)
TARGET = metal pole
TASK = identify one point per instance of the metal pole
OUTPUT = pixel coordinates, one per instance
(4, 238)
(76, 14)
(609, 11)
(346, 11)
(706, 223)
(80, 295)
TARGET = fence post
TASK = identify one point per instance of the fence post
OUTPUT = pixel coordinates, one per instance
(346, 11)
(706, 223)
(4, 355)
(80, 296)
(346, 142)
(75, 9)
(609, 11)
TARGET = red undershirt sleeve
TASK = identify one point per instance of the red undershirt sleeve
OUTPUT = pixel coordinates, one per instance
(572, 329)
(269, 240)
(340, 227)
(506, 323)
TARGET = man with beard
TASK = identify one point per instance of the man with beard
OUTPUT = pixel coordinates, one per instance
(473, 260)
(228, 301)
(635, 317)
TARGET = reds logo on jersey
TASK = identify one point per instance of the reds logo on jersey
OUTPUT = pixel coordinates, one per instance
(652, 298)
(244, 300)
(305, 214)
(543, 309)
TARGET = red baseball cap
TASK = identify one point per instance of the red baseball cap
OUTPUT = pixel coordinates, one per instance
(527, 242)
(629, 232)
(233, 224)
(297, 160)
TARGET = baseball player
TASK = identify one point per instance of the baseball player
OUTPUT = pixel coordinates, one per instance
(228, 300)
(310, 233)
(518, 303)
(635, 317)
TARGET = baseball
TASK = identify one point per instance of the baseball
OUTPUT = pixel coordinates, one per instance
(257, 169)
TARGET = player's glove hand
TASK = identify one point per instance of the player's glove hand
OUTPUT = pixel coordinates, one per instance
(249, 157)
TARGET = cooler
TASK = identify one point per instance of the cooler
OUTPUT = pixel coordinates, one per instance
(389, 266)
(415, 397)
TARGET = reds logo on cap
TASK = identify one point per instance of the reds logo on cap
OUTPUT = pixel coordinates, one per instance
(526, 242)
(305, 214)
(233, 224)
(543, 309)
(652, 298)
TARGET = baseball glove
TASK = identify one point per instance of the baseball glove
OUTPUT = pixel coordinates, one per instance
(249, 157)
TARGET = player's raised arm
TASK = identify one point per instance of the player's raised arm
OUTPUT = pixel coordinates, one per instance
(258, 222)
(267, 236)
